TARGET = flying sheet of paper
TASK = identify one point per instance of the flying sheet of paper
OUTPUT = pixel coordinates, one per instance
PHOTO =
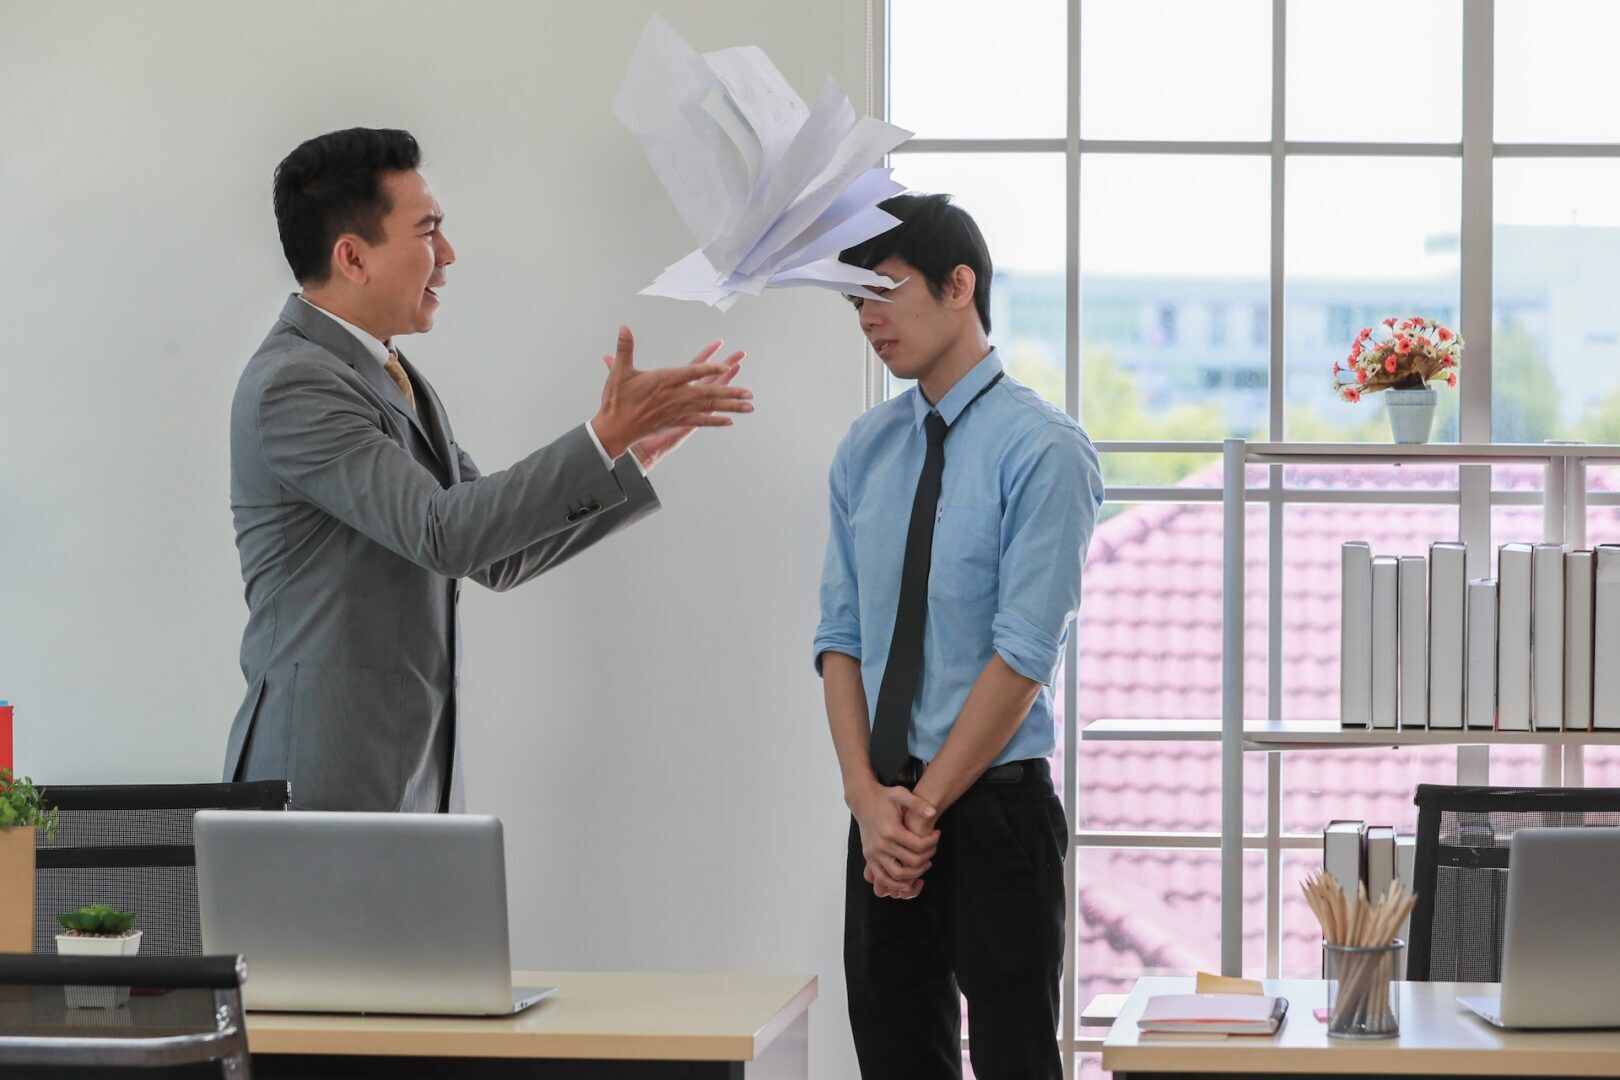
(770, 189)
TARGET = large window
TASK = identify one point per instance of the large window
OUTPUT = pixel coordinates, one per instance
(1193, 206)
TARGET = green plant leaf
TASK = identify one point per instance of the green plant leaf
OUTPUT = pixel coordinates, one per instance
(21, 803)
(84, 922)
(97, 919)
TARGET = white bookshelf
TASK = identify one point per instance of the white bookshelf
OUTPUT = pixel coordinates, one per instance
(1262, 736)
(1564, 499)
(1305, 453)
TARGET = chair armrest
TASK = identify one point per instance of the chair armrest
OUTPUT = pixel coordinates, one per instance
(169, 972)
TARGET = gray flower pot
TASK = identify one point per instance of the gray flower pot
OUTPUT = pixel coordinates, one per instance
(1411, 414)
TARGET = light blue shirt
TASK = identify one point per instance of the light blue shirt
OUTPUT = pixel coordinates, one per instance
(1016, 510)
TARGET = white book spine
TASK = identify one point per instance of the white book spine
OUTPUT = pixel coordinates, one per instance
(1355, 636)
(1606, 641)
(1547, 638)
(1414, 641)
(1479, 695)
(1448, 590)
(1342, 854)
(1379, 860)
(1513, 592)
(1385, 641)
(1405, 869)
(1578, 583)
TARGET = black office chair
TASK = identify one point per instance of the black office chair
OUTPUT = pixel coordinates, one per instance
(1460, 867)
(130, 846)
(182, 1018)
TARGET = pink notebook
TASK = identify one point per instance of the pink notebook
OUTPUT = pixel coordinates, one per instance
(1234, 1014)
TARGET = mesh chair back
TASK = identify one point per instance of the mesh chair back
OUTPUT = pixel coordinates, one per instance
(1460, 869)
(92, 1017)
(130, 846)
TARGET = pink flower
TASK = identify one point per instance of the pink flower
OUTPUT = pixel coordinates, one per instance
(1451, 380)
(1366, 332)
(1361, 376)
(1425, 342)
(1446, 361)
(1446, 335)
(1403, 346)
(1355, 350)
(1351, 394)
(1389, 365)
(1390, 321)
(1336, 367)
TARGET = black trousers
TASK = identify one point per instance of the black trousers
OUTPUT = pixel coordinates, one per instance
(988, 924)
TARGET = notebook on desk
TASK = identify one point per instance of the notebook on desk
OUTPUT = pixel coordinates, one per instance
(1226, 1014)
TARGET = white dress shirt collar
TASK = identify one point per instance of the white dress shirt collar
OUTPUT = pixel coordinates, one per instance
(376, 348)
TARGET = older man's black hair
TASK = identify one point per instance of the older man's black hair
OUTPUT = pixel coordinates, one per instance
(331, 185)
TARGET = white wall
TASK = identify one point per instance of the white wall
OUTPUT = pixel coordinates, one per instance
(645, 719)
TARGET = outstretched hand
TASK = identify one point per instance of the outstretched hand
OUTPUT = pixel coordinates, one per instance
(655, 411)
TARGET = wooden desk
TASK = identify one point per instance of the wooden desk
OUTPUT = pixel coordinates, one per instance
(1438, 1038)
(619, 1026)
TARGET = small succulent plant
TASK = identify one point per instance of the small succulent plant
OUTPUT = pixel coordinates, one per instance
(100, 919)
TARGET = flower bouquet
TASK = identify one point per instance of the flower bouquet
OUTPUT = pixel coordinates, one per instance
(1402, 356)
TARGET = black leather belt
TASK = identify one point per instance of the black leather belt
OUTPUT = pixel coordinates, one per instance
(1010, 772)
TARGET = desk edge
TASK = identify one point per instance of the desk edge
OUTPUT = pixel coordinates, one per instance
(797, 1005)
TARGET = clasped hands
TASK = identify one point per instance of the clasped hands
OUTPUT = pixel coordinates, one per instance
(899, 835)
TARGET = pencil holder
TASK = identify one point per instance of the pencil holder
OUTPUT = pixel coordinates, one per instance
(1363, 995)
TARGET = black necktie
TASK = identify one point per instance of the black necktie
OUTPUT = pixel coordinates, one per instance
(904, 667)
(903, 670)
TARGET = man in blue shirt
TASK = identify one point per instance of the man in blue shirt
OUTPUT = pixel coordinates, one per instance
(961, 511)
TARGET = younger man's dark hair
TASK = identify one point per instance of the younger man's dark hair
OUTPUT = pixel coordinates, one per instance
(331, 185)
(936, 236)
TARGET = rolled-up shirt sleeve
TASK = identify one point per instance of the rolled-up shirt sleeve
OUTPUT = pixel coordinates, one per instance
(840, 627)
(1054, 489)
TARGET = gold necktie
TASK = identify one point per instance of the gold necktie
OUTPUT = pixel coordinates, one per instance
(401, 380)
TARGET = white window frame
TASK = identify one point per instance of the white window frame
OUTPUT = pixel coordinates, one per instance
(1474, 498)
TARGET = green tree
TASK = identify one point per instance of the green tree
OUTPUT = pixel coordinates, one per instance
(1112, 408)
(1601, 424)
(1524, 405)
(1111, 404)
(1306, 423)
(1028, 362)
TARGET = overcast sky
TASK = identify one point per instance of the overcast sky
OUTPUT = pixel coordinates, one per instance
(1386, 70)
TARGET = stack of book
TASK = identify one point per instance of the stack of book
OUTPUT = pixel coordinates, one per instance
(1361, 856)
(1213, 1014)
(1423, 646)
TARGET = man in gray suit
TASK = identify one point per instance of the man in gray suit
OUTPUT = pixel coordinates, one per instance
(358, 514)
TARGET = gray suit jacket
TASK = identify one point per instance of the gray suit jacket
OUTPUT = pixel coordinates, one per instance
(355, 521)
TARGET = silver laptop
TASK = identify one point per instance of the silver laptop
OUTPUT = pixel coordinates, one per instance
(373, 913)
(1561, 945)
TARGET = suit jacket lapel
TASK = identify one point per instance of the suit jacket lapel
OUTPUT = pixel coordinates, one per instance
(427, 403)
(317, 327)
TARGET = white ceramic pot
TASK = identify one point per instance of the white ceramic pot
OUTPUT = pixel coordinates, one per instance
(98, 997)
(1411, 414)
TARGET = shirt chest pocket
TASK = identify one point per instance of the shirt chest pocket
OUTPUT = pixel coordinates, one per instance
(967, 552)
